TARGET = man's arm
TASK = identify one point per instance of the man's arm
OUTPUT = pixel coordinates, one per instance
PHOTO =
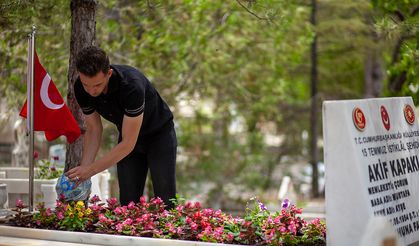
(92, 138)
(130, 128)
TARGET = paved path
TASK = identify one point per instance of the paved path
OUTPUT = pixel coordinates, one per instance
(314, 209)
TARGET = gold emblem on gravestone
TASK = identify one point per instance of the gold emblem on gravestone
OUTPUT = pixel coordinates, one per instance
(359, 119)
(409, 114)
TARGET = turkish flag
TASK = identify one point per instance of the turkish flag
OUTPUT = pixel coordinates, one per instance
(50, 111)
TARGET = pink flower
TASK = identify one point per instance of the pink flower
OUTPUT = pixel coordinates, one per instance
(60, 215)
(149, 226)
(197, 205)
(145, 217)
(119, 227)
(131, 205)
(95, 199)
(138, 220)
(292, 229)
(269, 235)
(103, 219)
(48, 212)
(179, 208)
(269, 220)
(194, 226)
(188, 220)
(128, 221)
(143, 200)
(112, 201)
(188, 205)
(95, 207)
(165, 214)
(237, 220)
(35, 154)
(218, 232)
(171, 228)
(118, 210)
(316, 221)
(208, 211)
(230, 237)
(58, 203)
(208, 230)
(19, 203)
(157, 201)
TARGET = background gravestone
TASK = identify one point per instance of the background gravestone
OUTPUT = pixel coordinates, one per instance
(372, 166)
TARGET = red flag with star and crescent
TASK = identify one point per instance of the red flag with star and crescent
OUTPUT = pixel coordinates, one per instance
(50, 111)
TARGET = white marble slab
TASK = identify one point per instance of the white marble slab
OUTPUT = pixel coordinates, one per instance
(14, 241)
(92, 238)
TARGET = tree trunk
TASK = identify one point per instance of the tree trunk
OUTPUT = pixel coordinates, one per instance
(220, 127)
(373, 69)
(314, 107)
(373, 74)
(83, 32)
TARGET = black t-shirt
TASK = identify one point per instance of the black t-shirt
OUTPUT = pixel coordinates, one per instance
(129, 93)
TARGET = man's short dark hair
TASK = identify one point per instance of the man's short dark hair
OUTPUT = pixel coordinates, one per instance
(91, 60)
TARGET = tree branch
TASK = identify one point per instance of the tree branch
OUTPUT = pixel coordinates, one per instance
(399, 14)
(397, 47)
(415, 11)
(250, 12)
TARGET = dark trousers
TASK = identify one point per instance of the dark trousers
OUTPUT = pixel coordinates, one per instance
(158, 155)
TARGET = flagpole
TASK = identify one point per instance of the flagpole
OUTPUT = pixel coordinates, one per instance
(31, 114)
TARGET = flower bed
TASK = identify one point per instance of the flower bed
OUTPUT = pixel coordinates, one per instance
(187, 221)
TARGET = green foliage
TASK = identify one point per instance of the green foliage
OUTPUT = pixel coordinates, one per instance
(399, 23)
(222, 67)
(47, 170)
(52, 20)
(344, 37)
(235, 73)
(217, 60)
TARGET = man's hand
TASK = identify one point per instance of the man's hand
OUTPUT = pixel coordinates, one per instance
(79, 174)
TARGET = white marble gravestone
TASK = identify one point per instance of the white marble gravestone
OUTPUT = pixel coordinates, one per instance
(371, 153)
